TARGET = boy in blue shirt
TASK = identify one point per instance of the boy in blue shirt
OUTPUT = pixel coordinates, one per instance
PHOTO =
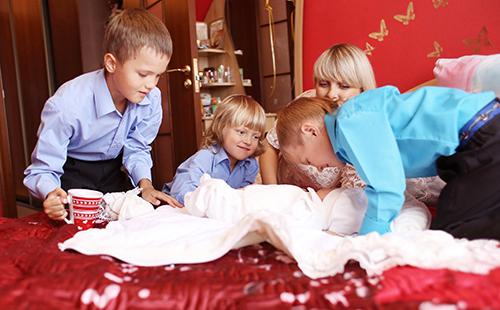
(104, 119)
(388, 136)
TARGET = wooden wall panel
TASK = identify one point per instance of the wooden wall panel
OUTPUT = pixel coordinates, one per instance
(65, 40)
(274, 101)
(278, 9)
(7, 197)
(163, 168)
(31, 59)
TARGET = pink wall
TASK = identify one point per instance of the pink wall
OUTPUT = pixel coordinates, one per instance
(401, 58)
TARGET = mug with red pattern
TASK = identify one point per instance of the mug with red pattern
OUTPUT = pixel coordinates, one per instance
(84, 207)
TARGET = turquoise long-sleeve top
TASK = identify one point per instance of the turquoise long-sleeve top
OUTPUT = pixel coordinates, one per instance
(389, 136)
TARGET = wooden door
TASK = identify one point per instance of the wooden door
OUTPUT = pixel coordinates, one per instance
(7, 193)
(184, 98)
(180, 132)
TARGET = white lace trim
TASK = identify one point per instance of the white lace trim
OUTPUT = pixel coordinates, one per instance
(326, 178)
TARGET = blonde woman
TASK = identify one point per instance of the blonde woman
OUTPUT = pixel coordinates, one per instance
(229, 149)
(340, 73)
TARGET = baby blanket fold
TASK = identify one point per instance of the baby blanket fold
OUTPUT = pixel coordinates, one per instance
(218, 218)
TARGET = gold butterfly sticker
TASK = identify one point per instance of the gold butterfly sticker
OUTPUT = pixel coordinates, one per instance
(437, 51)
(410, 15)
(379, 36)
(368, 49)
(439, 3)
(482, 39)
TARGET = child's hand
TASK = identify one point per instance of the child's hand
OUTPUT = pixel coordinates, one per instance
(53, 205)
(151, 195)
(156, 197)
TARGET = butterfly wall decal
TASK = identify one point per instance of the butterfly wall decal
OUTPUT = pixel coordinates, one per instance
(368, 49)
(410, 15)
(437, 51)
(439, 3)
(481, 40)
(379, 36)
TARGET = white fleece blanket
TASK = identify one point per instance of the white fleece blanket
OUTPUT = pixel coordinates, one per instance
(318, 234)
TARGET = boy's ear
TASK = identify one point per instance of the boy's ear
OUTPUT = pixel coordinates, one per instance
(110, 62)
(309, 129)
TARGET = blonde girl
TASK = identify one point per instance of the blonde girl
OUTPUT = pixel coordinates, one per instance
(340, 72)
(229, 148)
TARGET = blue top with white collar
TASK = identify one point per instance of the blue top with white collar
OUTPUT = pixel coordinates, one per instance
(81, 121)
(214, 162)
(389, 136)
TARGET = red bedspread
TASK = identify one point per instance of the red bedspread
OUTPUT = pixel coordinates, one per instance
(35, 274)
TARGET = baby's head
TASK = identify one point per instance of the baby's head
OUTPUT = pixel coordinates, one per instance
(137, 49)
(343, 71)
(238, 126)
(302, 133)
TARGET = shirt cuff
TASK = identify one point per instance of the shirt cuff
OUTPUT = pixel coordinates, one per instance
(44, 188)
(370, 225)
(139, 173)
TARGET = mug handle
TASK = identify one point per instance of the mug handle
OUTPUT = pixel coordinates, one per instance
(70, 209)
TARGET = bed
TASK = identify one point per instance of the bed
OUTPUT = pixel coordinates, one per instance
(36, 274)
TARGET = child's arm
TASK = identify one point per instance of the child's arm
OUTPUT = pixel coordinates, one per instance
(269, 164)
(48, 158)
(137, 150)
(188, 174)
(366, 139)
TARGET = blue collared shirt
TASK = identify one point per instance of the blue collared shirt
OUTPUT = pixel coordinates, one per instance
(214, 162)
(388, 136)
(81, 121)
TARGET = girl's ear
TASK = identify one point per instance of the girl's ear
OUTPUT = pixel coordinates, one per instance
(110, 62)
(310, 129)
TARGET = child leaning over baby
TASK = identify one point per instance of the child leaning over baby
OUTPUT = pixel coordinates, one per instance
(229, 148)
(388, 136)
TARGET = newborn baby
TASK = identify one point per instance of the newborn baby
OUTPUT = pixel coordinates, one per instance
(340, 212)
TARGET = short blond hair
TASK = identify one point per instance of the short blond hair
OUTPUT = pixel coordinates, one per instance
(345, 63)
(235, 111)
(300, 110)
(128, 31)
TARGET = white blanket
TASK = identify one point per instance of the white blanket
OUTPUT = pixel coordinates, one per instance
(218, 218)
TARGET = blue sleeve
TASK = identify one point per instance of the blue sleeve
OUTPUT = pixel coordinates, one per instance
(49, 155)
(188, 174)
(137, 150)
(250, 173)
(368, 142)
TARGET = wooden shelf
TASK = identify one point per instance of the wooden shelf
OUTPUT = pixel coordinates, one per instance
(211, 51)
(218, 85)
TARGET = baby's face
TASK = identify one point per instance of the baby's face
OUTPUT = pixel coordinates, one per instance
(316, 152)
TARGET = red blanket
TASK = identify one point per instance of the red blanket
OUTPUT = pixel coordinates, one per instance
(35, 274)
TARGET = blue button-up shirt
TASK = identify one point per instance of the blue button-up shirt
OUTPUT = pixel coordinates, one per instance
(214, 162)
(81, 121)
(388, 136)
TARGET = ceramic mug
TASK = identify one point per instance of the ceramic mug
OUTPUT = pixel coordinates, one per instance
(84, 207)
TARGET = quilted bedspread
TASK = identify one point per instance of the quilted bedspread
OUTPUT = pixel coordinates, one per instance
(34, 274)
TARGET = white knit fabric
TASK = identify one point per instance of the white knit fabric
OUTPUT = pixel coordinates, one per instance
(218, 218)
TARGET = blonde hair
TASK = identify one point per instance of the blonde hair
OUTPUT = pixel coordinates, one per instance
(345, 63)
(291, 118)
(235, 111)
(128, 31)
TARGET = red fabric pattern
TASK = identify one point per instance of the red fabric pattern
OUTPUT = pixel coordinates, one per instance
(35, 274)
